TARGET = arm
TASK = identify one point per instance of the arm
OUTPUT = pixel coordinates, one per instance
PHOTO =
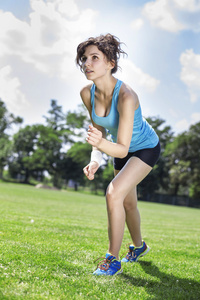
(127, 104)
(93, 166)
(86, 98)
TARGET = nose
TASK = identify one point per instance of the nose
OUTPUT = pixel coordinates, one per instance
(87, 62)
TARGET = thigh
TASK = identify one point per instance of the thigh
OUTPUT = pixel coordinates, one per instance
(125, 180)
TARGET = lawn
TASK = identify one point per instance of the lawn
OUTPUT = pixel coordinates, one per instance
(50, 239)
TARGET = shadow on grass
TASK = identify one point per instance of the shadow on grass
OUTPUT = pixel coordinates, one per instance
(166, 286)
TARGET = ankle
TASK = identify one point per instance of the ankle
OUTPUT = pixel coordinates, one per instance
(138, 245)
(113, 254)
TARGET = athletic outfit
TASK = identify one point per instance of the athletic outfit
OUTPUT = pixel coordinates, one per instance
(144, 143)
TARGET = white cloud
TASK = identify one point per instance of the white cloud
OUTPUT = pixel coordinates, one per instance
(173, 15)
(10, 92)
(195, 118)
(190, 73)
(68, 8)
(184, 124)
(188, 5)
(137, 24)
(134, 76)
(160, 15)
(51, 36)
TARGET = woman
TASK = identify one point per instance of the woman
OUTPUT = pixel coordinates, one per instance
(114, 106)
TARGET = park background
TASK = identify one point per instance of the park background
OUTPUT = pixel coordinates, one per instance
(43, 125)
(49, 238)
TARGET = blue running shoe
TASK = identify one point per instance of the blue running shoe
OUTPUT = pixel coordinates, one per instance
(108, 266)
(136, 252)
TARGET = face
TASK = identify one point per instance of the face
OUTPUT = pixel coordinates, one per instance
(94, 63)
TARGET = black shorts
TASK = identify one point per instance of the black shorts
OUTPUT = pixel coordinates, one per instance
(150, 156)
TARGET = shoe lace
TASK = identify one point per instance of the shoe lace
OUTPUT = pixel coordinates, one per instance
(130, 252)
(104, 264)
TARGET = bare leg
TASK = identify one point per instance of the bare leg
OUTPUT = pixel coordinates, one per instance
(120, 189)
(133, 217)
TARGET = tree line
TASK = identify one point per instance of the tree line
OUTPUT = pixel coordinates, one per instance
(58, 148)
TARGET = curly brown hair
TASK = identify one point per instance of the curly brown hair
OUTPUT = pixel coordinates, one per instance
(108, 44)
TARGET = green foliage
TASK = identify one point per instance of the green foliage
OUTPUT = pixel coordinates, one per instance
(5, 151)
(158, 177)
(77, 124)
(108, 174)
(80, 153)
(182, 157)
(59, 148)
(40, 148)
(50, 240)
(56, 117)
(6, 121)
(78, 119)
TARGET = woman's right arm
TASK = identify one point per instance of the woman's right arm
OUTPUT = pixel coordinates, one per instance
(93, 166)
(86, 98)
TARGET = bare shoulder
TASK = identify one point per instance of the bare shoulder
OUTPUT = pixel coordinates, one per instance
(85, 93)
(128, 96)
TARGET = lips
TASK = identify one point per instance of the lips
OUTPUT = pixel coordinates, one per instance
(88, 71)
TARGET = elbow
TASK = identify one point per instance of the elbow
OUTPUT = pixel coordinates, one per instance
(123, 153)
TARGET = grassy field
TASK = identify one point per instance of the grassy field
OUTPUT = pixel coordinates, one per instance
(50, 239)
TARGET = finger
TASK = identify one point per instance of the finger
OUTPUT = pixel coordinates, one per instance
(94, 131)
(91, 138)
(91, 171)
(91, 177)
(85, 171)
(90, 128)
(94, 135)
(92, 143)
(86, 174)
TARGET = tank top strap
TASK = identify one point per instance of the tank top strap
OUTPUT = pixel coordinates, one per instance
(92, 91)
(116, 92)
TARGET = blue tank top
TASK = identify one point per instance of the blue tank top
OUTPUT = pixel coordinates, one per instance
(143, 135)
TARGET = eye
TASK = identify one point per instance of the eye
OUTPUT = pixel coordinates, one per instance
(83, 59)
(94, 57)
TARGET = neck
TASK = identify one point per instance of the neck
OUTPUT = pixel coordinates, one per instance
(105, 86)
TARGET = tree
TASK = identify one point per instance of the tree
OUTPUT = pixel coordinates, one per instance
(24, 144)
(79, 154)
(183, 157)
(77, 124)
(159, 176)
(108, 174)
(68, 128)
(6, 121)
(40, 148)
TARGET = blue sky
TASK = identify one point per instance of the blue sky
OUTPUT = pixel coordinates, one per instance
(38, 40)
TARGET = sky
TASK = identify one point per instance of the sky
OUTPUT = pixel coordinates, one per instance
(38, 41)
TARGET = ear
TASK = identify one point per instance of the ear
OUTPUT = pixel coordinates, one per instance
(112, 64)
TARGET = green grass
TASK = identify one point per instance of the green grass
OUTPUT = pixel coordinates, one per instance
(50, 239)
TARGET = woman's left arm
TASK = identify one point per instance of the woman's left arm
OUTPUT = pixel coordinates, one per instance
(126, 106)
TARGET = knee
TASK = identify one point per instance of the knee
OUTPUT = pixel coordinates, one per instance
(111, 195)
(130, 206)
